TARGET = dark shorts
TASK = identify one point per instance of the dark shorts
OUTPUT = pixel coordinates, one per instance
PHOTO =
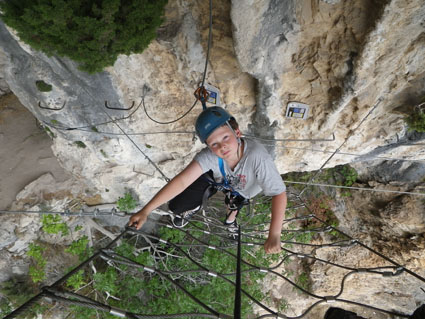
(197, 192)
(192, 196)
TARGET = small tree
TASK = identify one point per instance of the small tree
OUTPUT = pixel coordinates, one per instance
(90, 32)
(416, 121)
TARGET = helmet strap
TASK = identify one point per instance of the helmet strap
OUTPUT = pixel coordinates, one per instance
(237, 138)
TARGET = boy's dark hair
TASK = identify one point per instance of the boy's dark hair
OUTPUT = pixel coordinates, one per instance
(233, 124)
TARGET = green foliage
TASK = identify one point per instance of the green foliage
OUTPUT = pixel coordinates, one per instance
(94, 129)
(127, 202)
(346, 194)
(90, 32)
(106, 281)
(416, 121)
(53, 224)
(80, 144)
(152, 294)
(5, 307)
(343, 175)
(350, 175)
(36, 271)
(49, 132)
(104, 153)
(76, 281)
(79, 248)
(303, 281)
(36, 252)
(169, 234)
(43, 86)
(14, 293)
(304, 237)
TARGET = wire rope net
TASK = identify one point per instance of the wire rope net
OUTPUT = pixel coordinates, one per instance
(191, 272)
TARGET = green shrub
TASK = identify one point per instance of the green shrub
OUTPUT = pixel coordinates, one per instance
(49, 132)
(350, 175)
(43, 86)
(80, 144)
(76, 281)
(14, 292)
(416, 121)
(90, 32)
(79, 248)
(126, 203)
(36, 271)
(53, 224)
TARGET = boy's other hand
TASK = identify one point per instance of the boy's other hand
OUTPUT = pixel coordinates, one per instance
(137, 220)
(272, 244)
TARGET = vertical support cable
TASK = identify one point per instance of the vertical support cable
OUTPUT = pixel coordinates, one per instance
(237, 310)
(208, 46)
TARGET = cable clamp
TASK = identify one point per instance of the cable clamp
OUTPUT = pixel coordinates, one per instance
(361, 270)
(117, 312)
(169, 226)
(163, 241)
(212, 247)
(300, 255)
(330, 299)
(207, 232)
(105, 256)
(399, 270)
(149, 269)
(264, 270)
(387, 274)
(212, 274)
(250, 244)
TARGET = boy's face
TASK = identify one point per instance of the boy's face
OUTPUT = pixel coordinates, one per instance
(224, 143)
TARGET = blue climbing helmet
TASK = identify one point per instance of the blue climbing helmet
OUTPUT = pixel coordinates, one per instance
(210, 119)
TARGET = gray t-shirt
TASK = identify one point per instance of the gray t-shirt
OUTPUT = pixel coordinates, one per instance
(254, 173)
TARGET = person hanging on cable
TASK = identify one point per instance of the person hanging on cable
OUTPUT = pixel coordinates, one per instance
(240, 167)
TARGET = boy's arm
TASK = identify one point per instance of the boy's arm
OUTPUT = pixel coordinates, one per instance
(174, 187)
(272, 244)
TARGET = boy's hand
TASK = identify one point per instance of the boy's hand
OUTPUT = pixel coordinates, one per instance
(137, 220)
(272, 244)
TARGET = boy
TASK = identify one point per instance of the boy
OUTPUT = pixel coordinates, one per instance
(244, 167)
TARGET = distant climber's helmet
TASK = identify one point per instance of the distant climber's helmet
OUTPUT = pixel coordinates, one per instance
(209, 120)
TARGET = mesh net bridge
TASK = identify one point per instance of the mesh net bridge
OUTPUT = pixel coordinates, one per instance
(203, 271)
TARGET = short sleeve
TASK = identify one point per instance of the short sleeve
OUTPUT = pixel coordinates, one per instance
(268, 176)
(206, 159)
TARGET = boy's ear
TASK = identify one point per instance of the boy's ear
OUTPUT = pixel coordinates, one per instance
(238, 132)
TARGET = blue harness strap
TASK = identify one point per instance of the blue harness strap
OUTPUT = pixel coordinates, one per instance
(223, 173)
(225, 182)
